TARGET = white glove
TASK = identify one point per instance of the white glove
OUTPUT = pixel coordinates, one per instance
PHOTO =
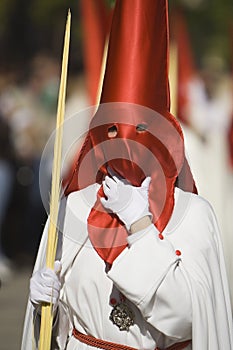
(130, 203)
(45, 286)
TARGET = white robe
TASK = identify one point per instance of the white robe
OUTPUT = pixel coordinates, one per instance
(174, 297)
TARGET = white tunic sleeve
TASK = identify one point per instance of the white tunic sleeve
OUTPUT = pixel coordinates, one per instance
(149, 273)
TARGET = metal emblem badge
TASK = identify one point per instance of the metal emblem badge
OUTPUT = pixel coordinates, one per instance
(122, 316)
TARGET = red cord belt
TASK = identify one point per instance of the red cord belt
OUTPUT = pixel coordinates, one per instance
(106, 345)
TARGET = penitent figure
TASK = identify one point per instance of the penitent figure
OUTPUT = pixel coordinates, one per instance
(139, 261)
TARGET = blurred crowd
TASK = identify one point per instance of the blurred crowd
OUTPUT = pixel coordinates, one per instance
(28, 104)
(209, 145)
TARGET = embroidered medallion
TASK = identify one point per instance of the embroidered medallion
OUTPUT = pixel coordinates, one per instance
(122, 316)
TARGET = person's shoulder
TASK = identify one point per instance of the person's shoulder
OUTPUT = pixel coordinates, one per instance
(86, 195)
(78, 202)
(74, 211)
(193, 201)
(195, 215)
(196, 209)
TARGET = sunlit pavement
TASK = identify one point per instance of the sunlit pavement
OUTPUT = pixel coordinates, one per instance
(13, 298)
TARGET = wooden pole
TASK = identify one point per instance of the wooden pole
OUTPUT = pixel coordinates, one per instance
(47, 309)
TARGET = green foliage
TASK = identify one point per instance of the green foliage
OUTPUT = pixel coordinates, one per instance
(210, 24)
(44, 11)
(5, 10)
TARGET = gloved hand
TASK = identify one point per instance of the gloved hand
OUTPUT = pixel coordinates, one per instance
(130, 203)
(45, 285)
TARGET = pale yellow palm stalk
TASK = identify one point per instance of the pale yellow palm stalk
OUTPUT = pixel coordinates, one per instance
(47, 312)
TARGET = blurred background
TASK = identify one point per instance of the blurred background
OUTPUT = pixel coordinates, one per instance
(31, 41)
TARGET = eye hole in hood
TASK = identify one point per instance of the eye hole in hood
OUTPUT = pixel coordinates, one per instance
(141, 127)
(112, 131)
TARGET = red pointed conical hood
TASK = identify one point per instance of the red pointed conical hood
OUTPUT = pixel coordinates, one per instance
(137, 63)
(135, 100)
